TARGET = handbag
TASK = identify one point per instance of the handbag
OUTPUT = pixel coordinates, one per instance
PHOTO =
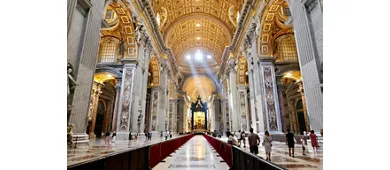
(269, 142)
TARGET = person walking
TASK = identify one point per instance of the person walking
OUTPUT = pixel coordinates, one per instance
(254, 141)
(314, 142)
(243, 138)
(303, 143)
(290, 141)
(232, 140)
(268, 145)
(107, 141)
(166, 135)
(113, 137)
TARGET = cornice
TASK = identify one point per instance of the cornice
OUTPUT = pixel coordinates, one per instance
(147, 10)
(245, 12)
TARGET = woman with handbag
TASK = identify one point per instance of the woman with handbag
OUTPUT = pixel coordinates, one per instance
(268, 145)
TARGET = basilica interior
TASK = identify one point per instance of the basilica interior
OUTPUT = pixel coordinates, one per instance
(183, 66)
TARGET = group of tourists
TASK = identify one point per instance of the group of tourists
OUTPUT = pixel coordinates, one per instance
(166, 134)
(108, 138)
(254, 142)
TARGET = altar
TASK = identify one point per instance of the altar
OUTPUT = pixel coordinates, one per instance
(199, 115)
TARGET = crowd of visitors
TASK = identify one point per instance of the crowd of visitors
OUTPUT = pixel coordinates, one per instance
(237, 139)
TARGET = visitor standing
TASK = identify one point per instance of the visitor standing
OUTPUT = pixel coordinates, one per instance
(170, 134)
(313, 139)
(290, 141)
(268, 145)
(166, 135)
(113, 137)
(254, 141)
(107, 138)
(239, 137)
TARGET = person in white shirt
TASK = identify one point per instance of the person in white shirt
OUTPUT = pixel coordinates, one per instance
(232, 140)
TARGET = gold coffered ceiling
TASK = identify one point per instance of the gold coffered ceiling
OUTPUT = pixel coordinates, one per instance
(188, 25)
(175, 9)
(198, 34)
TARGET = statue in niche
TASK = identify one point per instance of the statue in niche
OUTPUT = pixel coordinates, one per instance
(139, 31)
(122, 48)
(73, 82)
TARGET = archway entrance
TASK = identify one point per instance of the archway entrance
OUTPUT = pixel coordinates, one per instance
(301, 117)
(99, 120)
(199, 115)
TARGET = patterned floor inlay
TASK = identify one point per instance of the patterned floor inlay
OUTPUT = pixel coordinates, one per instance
(191, 166)
(196, 154)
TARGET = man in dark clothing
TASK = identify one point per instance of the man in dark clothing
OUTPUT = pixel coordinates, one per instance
(254, 141)
(290, 141)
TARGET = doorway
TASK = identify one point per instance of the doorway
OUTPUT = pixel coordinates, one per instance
(99, 119)
(301, 116)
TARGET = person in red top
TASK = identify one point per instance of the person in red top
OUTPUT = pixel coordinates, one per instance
(313, 138)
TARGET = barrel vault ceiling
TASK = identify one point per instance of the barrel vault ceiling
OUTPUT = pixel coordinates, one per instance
(191, 25)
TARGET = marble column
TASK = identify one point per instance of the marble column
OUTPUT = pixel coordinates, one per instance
(233, 103)
(163, 101)
(255, 92)
(282, 105)
(180, 113)
(243, 107)
(96, 91)
(270, 96)
(308, 36)
(153, 116)
(145, 68)
(125, 104)
(301, 92)
(172, 115)
(84, 25)
(218, 115)
(226, 117)
(116, 106)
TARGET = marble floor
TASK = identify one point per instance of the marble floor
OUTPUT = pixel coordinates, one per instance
(279, 156)
(197, 153)
(98, 149)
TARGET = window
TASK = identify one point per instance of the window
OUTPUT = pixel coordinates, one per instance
(107, 51)
(109, 14)
(286, 11)
(287, 48)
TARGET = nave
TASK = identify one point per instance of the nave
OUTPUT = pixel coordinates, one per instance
(197, 153)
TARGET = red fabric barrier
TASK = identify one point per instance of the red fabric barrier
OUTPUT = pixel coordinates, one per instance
(223, 149)
(160, 151)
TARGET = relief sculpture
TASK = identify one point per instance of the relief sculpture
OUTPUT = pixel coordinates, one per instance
(269, 91)
(154, 110)
(126, 101)
(243, 111)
